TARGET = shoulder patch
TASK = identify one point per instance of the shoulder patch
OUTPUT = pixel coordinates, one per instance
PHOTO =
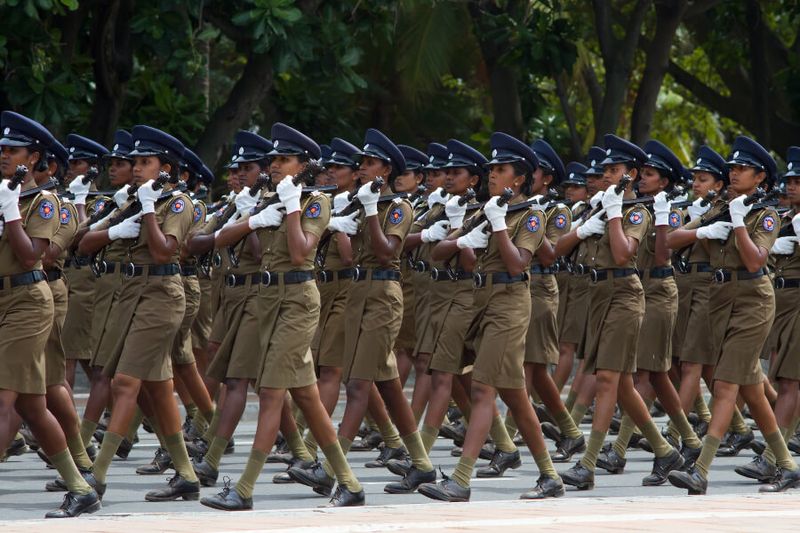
(99, 205)
(768, 223)
(533, 223)
(636, 217)
(674, 220)
(198, 214)
(313, 210)
(561, 221)
(47, 209)
(396, 215)
(178, 205)
(64, 215)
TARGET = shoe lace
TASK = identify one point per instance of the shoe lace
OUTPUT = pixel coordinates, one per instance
(68, 499)
(445, 477)
(226, 486)
(337, 495)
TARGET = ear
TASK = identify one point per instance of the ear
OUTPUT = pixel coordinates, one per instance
(760, 177)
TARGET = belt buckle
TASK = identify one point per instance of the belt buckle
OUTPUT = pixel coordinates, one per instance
(216, 260)
(102, 267)
(322, 275)
(356, 273)
(478, 281)
(266, 278)
(419, 266)
(780, 282)
(434, 274)
(593, 275)
(683, 266)
(230, 280)
(719, 275)
(580, 269)
(130, 270)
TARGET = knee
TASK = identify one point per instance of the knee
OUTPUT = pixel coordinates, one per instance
(124, 387)
(357, 390)
(605, 380)
(481, 394)
(441, 380)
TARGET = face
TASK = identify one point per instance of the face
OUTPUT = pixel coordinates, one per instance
(744, 179)
(12, 156)
(651, 182)
(120, 171)
(408, 181)
(459, 180)
(594, 183)
(612, 174)
(575, 193)
(371, 168)
(281, 166)
(703, 183)
(247, 173)
(541, 182)
(41, 178)
(147, 167)
(793, 190)
(435, 179)
(77, 167)
(502, 176)
(233, 181)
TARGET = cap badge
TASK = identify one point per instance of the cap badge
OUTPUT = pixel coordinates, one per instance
(494, 152)
(449, 156)
(241, 150)
(608, 152)
(137, 143)
(275, 142)
(789, 166)
(116, 147)
(736, 154)
(432, 158)
(71, 149)
(6, 131)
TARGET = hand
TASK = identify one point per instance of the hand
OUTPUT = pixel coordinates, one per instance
(340, 201)
(244, 202)
(495, 214)
(594, 225)
(100, 223)
(697, 209)
(612, 202)
(455, 212)
(9, 201)
(2, 226)
(474, 239)
(121, 196)
(738, 211)
(681, 198)
(148, 196)
(596, 199)
(537, 205)
(784, 246)
(661, 209)
(79, 190)
(289, 193)
(438, 196)
(437, 232)
(717, 230)
(271, 217)
(796, 224)
(346, 224)
(127, 229)
(368, 199)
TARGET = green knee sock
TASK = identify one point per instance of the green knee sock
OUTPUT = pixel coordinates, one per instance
(593, 447)
(577, 413)
(672, 429)
(419, 457)
(566, 424)
(88, 428)
(191, 410)
(78, 452)
(297, 446)
(211, 430)
(428, 434)
(661, 447)
(69, 472)
(247, 482)
(136, 421)
(391, 437)
(545, 465)
(707, 454)
(738, 425)
(344, 445)
(216, 449)
(299, 419)
(200, 421)
(511, 424)
(500, 436)
(688, 436)
(777, 444)
(701, 408)
(341, 468)
(180, 458)
(463, 471)
(626, 428)
(311, 444)
(102, 462)
(371, 424)
(570, 402)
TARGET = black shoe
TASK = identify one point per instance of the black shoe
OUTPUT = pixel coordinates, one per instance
(399, 467)
(206, 473)
(657, 410)
(98, 435)
(501, 461)
(758, 446)
(314, 477)
(230, 448)
(146, 425)
(701, 428)
(546, 487)
(671, 440)
(456, 451)
(59, 485)
(568, 447)
(610, 461)
(552, 432)
(91, 451)
(454, 413)
(785, 479)
(645, 445)
(633, 442)
(177, 487)
(282, 478)
(44, 458)
(447, 490)
(487, 451)
(30, 440)
(693, 418)
(661, 467)
(794, 445)
(344, 498)
(386, 454)
(759, 469)
(735, 444)
(410, 482)
(613, 427)
(691, 480)
(17, 447)
(543, 414)
(76, 504)
(228, 499)
(160, 463)
(197, 449)
(281, 454)
(690, 455)
(186, 427)
(370, 442)
(124, 449)
(579, 477)
(363, 430)
(518, 440)
(191, 433)
(455, 432)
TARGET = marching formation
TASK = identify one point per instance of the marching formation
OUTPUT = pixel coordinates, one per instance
(335, 265)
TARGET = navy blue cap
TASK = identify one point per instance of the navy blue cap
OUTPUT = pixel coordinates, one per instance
(150, 141)
(618, 150)
(748, 152)
(288, 141)
(342, 153)
(437, 156)
(19, 130)
(324, 152)
(123, 144)
(710, 161)
(415, 159)
(378, 145)
(549, 160)
(508, 149)
(81, 147)
(192, 162)
(792, 162)
(594, 161)
(463, 155)
(576, 174)
(251, 147)
(660, 157)
(59, 152)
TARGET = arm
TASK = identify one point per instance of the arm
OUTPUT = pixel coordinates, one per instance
(383, 247)
(515, 259)
(412, 241)
(566, 243)
(161, 247)
(200, 244)
(662, 253)
(300, 243)
(344, 246)
(546, 253)
(754, 257)
(447, 248)
(28, 250)
(679, 238)
(232, 234)
(623, 247)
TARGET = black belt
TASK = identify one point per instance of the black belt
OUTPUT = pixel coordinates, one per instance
(602, 275)
(479, 280)
(360, 274)
(269, 279)
(110, 268)
(783, 283)
(701, 267)
(539, 269)
(77, 261)
(661, 272)
(188, 270)
(132, 271)
(326, 276)
(580, 269)
(237, 280)
(444, 275)
(422, 266)
(724, 276)
(26, 278)
(54, 275)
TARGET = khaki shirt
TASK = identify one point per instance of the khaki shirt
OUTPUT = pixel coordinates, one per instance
(174, 217)
(198, 222)
(787, 266)
(395, 218)
(68, 227)
(40, 220)
(635, 221)
(423, 251)
(762, 226)
(558, 220)
(315, 213)
(646, 255)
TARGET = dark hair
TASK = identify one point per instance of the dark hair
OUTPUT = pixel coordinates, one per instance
(522, 169)
(175, 167)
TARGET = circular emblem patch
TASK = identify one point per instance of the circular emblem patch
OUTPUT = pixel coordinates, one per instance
(47, 209)
(64, 215)
(533, 223)
(396, 216)
(198, 213)
(636, 218)
(99, 205)
(313, 210)
(178, 206)
(561, 221)
(674, 220)
(768, 223)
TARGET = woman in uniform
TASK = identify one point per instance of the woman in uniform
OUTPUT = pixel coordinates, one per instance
(502, 308)
(741, 312)
(27, 226)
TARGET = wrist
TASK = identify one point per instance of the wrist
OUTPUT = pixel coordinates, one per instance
(737, 220)
(148, 206)
(456, 222)
(371, 210)
(11, 213)
(292, 205)
(461, 244)
(662, 219)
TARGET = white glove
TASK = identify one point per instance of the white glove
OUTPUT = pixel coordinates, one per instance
(784, 246)
(697, 209)
(2, 226)
(537, 205)
(244, 202)
(717, 230)
(127, 229)
(438, 196)
(496, 214)
(271, 217)
(340, 201)
(594, 225)
(100, 222)
(437, 232)
(289, 193)
(474, 239)
(661, 209)
(148, 196)
(796, 224)
(368, 199)
(612, 202)
(455, 212)
(79, 190)
(681, 198)
(346, 224)
(738, 211)
(121, 196)
(595, 200)
(9, 201)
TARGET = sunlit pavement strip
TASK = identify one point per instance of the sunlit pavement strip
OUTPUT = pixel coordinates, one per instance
(709, 513)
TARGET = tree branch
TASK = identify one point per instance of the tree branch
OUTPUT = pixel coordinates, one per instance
(698, 7)
(602, 25)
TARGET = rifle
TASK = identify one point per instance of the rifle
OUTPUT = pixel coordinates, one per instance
(16, 180)
(618, 188)
(649, 199)
(463, 199)
(355, 203)
(476, 221)
(759, 200)
(707, 199)
(49, 186)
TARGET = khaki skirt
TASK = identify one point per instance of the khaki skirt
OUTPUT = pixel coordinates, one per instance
(239, 352)
(654, 352)
(692, 326)
(328, 342)
(105, 331)
(201, 327)
(55, 358)
(407, 337)
(454, 309)
(78, 332)
(573, 324)
(425, 335)
(541, 345)
(787, 334)
(182, 353)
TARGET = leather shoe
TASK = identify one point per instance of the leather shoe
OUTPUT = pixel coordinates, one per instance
(447, 490)
(610, 461)
(411, 481)
(206, 473)
(197, 448)
(399, 467)
(230, 448)
(501, 461)
(552, 432)
(456, 451)
(487, 451)
(76, 504)
(280, 455)
(758, 446)
(735, 443)
(455, 432)
(785, 479)
(759, 469)
(568, 447)
(228, 499)
(542, 414)
(314, 477)
(661, 467)
(177, 487)
(579, 477)
(701, 428)
(546, 487)
(794, 444)
(160, 463)
(345, 498)
(370, 442)
(385, 455)
(17, 447)
(691, 480)
(124, 449)
(283, 477)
